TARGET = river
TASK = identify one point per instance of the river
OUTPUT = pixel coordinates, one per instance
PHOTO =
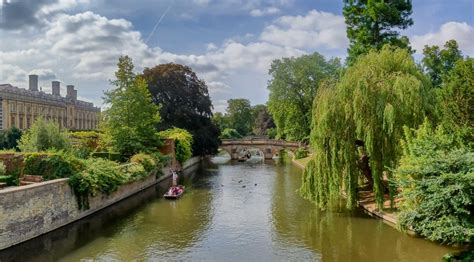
(230, 212)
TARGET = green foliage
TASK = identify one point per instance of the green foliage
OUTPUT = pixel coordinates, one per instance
(272, 133)
(230, 133)
(99, 175)
(239, 113)
(44, 135)
(9, 138)
(436, 178)
(183, 142)
(221, 120)
(437, 63)
(376, 97)
(147, 161)
(112, 156)
(262, 120)
(3, 169)
(184, 103)
(371, 25)
(134, 171)
(463, 256)
(301, 153)
(131, 118)
(293, 86)
(84, 142)
(456, 100)
(51, 165)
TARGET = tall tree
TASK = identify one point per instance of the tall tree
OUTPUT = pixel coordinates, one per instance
(239, 112)
(372, 24)
(456, 100)
(293, 86)
(357, 125)
(185, 103)
(221, 120)
(262, 120)
(131, 118)
(437, 63)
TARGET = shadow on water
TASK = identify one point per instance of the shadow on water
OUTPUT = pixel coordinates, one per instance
(339, 234)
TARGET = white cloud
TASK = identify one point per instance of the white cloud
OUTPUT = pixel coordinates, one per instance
(44, 73)
(314, 30)
(463, 33)
(83, 49)
(202, 2)
(12, 74)
(265, 12)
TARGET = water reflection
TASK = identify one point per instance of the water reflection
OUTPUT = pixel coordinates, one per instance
(230, 212)
(340, 235)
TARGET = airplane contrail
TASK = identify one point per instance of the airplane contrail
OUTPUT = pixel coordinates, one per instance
(159, 21)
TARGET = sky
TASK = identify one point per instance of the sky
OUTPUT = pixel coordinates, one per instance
(229, 43)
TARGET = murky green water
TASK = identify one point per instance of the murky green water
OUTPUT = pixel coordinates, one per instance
(231, 212)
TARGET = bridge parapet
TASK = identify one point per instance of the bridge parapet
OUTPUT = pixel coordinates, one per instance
(270, 147)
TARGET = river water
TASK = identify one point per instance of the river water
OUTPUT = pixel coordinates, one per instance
(230, 212)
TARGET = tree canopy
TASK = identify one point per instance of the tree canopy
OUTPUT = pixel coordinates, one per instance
(371, 24)
(293, 86)
(456, 100)
(131, 117)
(184, 103)
(357, 125)
(44, 135)
(239, 113)
(438, 62)
(262, 120)
(436, 181)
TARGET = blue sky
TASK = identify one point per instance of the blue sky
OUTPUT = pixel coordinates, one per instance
(229, 43)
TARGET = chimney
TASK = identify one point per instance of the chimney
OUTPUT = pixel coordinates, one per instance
(56, 86)
(33, 82)
(71, 93)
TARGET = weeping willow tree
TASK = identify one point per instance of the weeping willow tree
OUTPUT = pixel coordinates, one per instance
(358, 123)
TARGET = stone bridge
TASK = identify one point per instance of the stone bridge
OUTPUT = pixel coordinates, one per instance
(269, 147)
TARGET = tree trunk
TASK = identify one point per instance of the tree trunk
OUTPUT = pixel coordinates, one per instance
(363, 164)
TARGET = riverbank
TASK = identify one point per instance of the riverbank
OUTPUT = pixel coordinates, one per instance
(366, 200)
(30, 211)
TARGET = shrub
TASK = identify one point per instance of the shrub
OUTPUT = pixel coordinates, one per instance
(301, 153)
(84, 142)
(147, 161)
(436, 178)
(183, 142)
(9, 138)
(44, 135)
(134, 171)
(3, 169)
(230, 133)
(52, 165)
(99, 175)
(113, 156)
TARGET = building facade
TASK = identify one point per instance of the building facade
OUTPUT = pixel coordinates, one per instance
(21, 107)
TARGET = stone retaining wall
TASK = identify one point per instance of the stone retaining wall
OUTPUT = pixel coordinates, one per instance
(29, 211)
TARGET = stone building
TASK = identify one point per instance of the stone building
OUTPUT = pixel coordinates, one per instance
(20, 107)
